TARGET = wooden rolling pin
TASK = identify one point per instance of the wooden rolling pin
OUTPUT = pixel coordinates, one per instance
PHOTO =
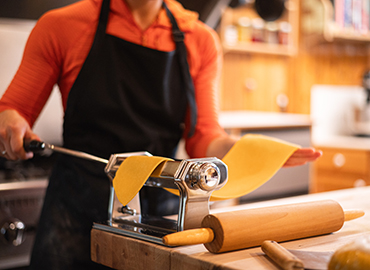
(241, 229)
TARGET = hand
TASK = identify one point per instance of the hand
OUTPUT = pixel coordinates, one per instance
(14, 129)
(301, 156)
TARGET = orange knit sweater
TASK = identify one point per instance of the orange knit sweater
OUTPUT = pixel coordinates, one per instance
(62, 38)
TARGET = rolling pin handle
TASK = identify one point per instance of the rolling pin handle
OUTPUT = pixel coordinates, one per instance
(189, 237)
(34, 146)
(352, 214)
(281, 256)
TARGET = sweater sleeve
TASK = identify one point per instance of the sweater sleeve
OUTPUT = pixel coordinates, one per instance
(206, 83)
(36, 75)
(54, 54)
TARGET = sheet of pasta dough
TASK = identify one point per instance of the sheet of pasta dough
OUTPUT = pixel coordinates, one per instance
(133, 173)
(251, 162)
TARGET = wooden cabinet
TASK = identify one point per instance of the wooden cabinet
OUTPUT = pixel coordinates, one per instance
(256, 75)
(341, 168)
(254, 82)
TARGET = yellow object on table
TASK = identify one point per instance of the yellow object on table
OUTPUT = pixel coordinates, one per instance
(251, 162)
(133, 173)
(352, 256)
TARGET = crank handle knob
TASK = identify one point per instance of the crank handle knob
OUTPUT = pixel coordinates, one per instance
(34, 146)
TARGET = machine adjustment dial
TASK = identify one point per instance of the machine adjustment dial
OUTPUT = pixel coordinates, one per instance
(205, 176)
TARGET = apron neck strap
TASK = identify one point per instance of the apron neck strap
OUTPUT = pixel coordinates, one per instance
(103, 17)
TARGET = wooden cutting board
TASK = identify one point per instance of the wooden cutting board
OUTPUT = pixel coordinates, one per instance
(120, 252)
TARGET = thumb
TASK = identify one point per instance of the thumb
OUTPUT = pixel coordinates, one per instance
(29, 135)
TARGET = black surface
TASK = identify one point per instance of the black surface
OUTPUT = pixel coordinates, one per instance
(270, 10)
(29, 9)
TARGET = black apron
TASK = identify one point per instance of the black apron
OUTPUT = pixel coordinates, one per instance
(126, 98)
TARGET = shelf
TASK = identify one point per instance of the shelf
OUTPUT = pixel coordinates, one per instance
(230, 18)
(260, 48)
(347, 35)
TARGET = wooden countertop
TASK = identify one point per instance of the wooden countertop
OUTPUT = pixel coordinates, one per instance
(120, 252)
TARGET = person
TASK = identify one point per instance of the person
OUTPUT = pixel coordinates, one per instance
(133, 75)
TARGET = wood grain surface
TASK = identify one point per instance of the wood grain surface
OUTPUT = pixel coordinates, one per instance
(120, 252)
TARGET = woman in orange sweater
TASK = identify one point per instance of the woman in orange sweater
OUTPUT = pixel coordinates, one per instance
(133, 75)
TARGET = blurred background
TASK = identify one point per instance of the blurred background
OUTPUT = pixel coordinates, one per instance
(295, 70)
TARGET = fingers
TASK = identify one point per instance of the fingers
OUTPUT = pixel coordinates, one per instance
(29, 136)
(302, 156)
(17, 144)
(13, 130)
(11, 146)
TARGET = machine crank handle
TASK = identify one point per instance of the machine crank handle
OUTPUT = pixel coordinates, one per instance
(34, 146)
(37, 147)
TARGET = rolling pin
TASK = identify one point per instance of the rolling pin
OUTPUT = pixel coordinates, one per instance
(241, 229)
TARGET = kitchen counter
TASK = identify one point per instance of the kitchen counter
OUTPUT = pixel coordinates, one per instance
(120, 252)
(345, 159)
(262, 120)
(332, 108)
(342, 141)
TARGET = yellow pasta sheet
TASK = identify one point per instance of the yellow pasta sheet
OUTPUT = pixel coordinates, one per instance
(251, 162)
(133, 173)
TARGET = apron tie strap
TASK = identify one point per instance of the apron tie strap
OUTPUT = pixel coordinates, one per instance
(179, 37)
